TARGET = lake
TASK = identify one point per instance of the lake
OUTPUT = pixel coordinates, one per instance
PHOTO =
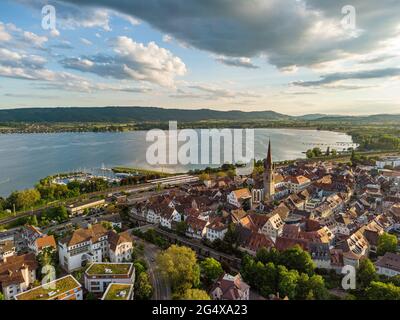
(26, 158)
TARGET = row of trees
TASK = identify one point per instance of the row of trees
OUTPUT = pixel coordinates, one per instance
(317, 152)
(290, 273)
(45, 192)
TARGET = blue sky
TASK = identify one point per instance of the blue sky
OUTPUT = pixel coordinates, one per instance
(290, 56)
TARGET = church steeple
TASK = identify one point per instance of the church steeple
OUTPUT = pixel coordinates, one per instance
(269, 183)
(268, 162)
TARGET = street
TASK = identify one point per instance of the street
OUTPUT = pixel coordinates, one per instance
(162, 289)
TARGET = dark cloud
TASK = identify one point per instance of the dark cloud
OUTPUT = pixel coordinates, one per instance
(357, 75)
(237, 62)
(288, 32)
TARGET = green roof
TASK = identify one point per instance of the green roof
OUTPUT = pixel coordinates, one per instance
(109, 268)
(62, 285)
(118, 291)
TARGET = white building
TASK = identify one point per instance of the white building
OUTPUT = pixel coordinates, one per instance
(216, 230)
(273, 227)
(100, 275)
(93, 244)
(388, 161)
(17, 274)
(238, 197)
(388, 265)
(297, 183)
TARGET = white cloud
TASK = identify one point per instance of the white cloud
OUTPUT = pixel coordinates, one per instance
(86, 41)
(133, 60)
(4, 35)
(34, 39)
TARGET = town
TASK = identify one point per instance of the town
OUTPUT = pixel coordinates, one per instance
(282, 233)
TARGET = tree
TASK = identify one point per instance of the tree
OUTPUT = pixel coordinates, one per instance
(23, 199)
(194, 294)
(287, 282)
(366, 273)
(181, 228)
(386, 243)
(2, 296)
(179, 265)
(298, 259)
(382, 291)
(211, 269)
(264, 255)
(143, 288)
(33, 221)
(204, 177)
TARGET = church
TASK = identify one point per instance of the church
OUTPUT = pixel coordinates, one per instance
(265, 192)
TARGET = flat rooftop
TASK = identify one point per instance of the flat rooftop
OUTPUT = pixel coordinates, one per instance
(62, 286)
(118, 291)
(106, 269)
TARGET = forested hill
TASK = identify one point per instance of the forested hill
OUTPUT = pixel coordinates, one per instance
(153, 114)
(127, 114)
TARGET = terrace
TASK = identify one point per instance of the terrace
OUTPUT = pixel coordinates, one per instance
(52, 291)
(109, 269)
(118, 291)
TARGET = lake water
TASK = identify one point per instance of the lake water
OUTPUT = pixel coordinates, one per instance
(26, 158)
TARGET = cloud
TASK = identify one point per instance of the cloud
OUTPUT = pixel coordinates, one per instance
(4, 35)
(132, 60)
(34, 39)
(289, 33)
(237, 62)
(356, 75)
(86, 41)
(208, 92)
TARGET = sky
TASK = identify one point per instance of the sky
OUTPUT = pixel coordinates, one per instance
(290, 56)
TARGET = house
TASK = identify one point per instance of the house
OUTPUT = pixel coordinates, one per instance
(273, 227)
(229, 287)
(43, 243)
(251, 241)
(216, 230)
(82, 247)
(120, 246)
(7, 249)
(388, 265)
(118, 291)
(65, 288)
(320, 254)
(196, 227)
(240, 198)
(98, 276)
(297, 183)
(168, 216)
(355, 248)
(17, 274)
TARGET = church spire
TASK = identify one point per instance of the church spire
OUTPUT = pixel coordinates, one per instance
(268, 161)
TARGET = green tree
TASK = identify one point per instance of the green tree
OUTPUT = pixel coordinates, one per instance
(179, 265)
(382, 291)
(211, 269)
(181, 228)
(298, 259)
(204, 177)
(366, 273)
(23, 199)
(264, 255)
(386, 243)
(287, 282)
(2, 296)
(194, 294)
(143, 287)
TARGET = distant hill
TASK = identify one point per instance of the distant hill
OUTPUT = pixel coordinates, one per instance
(153, 114)
(128, 114)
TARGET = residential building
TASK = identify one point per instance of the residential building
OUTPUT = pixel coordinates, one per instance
(229, 287)
(98, 276)
(118, 291)
(65, 288)
(79, 208)
(17, 274)
(388, 265)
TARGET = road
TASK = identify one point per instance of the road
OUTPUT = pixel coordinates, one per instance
(162, 289)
